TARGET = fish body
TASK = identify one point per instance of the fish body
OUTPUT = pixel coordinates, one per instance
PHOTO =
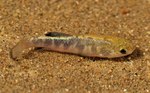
(84, 45)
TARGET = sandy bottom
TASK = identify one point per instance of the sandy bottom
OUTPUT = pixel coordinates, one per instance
(52, 72)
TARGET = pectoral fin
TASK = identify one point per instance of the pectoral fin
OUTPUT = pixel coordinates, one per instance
(57, 34)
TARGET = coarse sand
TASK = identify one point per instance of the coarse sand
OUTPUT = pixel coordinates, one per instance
(52, 72)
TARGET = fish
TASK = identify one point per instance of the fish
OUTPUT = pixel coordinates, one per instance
(84, 45)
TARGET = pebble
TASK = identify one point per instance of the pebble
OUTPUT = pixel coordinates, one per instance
(0, 50)
(148, 32)
(124, 90)
(66, 89)
(89, 91)
(147, 90)
(146, 50)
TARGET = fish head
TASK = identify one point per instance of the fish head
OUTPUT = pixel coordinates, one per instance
(117, 47)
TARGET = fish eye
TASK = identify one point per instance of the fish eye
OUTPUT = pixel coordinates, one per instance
(123, 51)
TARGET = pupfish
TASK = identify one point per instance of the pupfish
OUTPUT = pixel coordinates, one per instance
(84, 45)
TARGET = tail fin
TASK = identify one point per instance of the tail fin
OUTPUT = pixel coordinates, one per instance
(17, 50)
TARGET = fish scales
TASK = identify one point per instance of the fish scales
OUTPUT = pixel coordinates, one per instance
(84, 45)
(74, 44)
(67, 44)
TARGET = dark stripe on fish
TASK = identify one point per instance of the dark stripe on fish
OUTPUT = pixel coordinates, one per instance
(69, 42)
(58, 42)
(48, 42)
(93, 49)
(80, 46)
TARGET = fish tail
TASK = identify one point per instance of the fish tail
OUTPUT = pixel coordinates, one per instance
(17, 50)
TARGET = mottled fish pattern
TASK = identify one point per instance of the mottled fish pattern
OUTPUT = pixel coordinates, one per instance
(84, 45)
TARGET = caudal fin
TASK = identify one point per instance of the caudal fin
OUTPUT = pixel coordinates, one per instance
(17, 51)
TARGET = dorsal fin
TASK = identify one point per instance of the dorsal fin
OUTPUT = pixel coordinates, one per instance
(56, 34)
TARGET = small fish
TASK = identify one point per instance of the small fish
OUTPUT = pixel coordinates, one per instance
(84, 45)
